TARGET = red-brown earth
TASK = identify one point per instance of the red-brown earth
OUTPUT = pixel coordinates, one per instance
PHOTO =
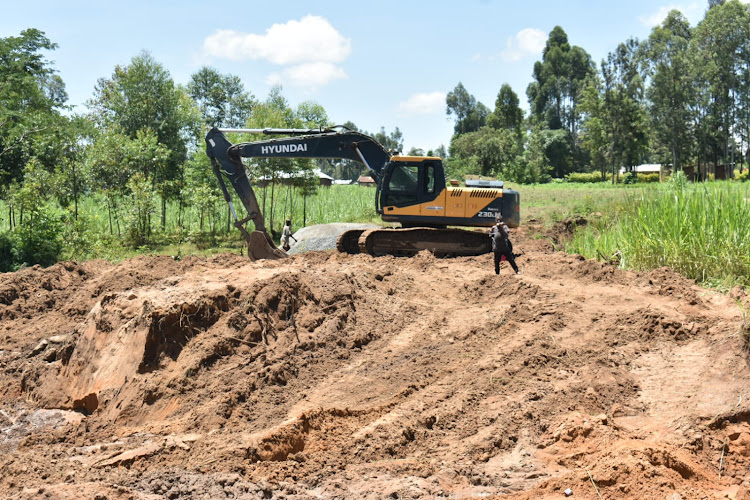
(346, 376)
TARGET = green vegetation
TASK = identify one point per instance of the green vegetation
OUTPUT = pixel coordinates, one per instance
(123, 232)
(130, 175)
(698, 230)
(558, 201)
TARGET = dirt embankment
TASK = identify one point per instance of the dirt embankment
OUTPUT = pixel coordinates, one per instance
(336, 376)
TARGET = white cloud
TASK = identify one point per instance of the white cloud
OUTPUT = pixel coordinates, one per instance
(423, 104)
(691, 11)
(311, 75)
(528, 41)
(309, 49)
(311, 39)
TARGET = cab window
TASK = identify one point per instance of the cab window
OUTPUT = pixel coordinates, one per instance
(429, 178)
(402, 187)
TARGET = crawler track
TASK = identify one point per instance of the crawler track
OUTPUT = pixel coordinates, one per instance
(407, 242)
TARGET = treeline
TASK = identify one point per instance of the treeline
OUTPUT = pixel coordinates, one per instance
(138, 153)
(681, 98)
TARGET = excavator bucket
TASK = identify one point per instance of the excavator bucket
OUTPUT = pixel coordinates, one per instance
(259, 247)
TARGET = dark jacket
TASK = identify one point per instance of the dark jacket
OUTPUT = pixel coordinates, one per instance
(499, 235)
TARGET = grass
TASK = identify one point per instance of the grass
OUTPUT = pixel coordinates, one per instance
(700, 230)
(554, 202)
(103, 233)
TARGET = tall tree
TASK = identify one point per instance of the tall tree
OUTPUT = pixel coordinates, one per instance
(594, 128)
(222, 99)
(508, 113)
(470, 115)
(625, 118)
(143, 96)
(32, 96)
(554, 96)
(670, 92)
(722, 41)
(558, 78)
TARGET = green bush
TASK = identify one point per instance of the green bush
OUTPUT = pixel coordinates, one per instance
(653, 177)
(39, 240)
(7, 259)
(630, 178)
(585, 177)
(743, 177)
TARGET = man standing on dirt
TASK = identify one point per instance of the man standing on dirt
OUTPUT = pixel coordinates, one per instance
(286, 233)
(501, 245)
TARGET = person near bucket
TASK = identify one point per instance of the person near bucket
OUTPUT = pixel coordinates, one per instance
(501, 245)
(286, 233)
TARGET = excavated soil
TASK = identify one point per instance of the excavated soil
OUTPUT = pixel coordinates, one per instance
(338, 376)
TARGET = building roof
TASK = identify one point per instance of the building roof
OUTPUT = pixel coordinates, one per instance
(364, 179)
(645, 168)
(321, 175)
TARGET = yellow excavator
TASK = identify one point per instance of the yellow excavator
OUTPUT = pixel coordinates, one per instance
(410, 190)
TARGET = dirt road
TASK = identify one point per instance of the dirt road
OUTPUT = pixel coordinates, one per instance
(337, 376)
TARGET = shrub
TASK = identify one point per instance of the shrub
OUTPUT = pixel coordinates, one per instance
(39, 239)
(630, 178)
(743, 177)
(7, 259)
(653, 177)
(585, 177)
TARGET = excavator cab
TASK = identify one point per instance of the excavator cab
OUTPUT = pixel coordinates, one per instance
(411, 181)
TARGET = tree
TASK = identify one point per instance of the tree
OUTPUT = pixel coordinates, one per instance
(114, 158)
(31, 98)
(535, 166)
(141, 96)
(221, 99)
(554, 96)
(470, 114)
(614, 129)
(671, 92)
(393, 141)
(722, 45)
(70, 180)
(594, 128)
(274, 112)
(312, 115)
(508, 113)
(492, 151)
(558, 79)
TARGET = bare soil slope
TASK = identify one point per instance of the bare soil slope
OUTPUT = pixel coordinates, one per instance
(337, 376)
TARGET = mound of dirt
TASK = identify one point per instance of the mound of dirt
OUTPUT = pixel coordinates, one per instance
(345, 376)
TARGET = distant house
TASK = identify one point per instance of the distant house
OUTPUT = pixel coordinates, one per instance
(721, 171)
(649, 168)
(289, 178)
(365, 180)
(724, 171)
(646, 168)
(325, 180)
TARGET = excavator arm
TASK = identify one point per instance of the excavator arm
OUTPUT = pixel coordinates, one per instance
(226, 159)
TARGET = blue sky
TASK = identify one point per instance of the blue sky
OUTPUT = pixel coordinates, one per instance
(387, 63)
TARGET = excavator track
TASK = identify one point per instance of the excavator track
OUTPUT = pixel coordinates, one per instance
(348, 241)
(408, 242)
